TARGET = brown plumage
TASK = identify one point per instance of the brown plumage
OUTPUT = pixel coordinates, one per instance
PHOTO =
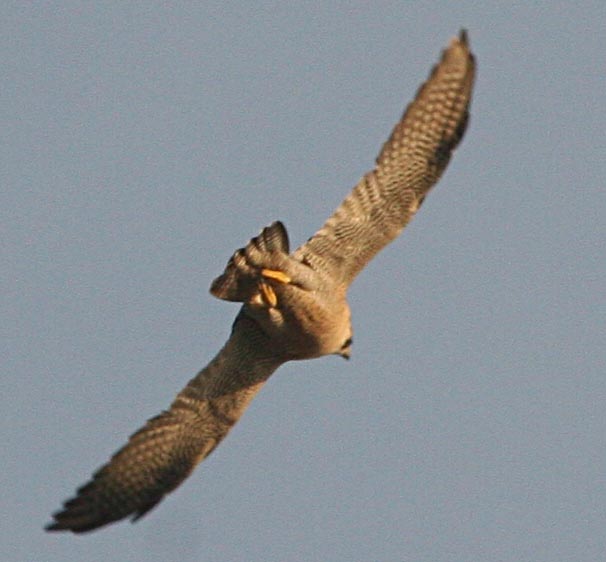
(294, 305)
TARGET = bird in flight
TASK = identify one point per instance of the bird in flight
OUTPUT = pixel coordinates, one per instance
(294, 304)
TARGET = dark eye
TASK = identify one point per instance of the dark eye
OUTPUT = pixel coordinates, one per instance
(347, 343)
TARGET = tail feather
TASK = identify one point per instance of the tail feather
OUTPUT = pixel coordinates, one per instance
(239, 281)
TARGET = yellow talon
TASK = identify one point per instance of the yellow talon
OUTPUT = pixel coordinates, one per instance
(276, 275)
(268, 295)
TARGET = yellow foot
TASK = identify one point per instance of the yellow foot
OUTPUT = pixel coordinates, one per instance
(276, 275)
(268, 295)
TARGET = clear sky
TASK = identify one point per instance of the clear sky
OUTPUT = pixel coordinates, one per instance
(142, 144)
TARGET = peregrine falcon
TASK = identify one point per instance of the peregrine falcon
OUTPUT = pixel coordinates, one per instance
(294, 304)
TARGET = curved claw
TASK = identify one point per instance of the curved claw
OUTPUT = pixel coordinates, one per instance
(268, 295)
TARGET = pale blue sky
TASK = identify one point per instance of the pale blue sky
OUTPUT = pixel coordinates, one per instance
(142, 144)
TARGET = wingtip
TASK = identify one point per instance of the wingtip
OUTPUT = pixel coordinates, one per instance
(462, 40)
(65, 524)
(460, 46)
(50, 527)
(76, 525)
(56, 524)
(58, 527)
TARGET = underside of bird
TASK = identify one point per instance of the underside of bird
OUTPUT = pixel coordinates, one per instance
(294, 304)
(303, 312)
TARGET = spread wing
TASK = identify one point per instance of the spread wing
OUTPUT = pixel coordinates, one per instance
(158, 457)
(409, 164)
